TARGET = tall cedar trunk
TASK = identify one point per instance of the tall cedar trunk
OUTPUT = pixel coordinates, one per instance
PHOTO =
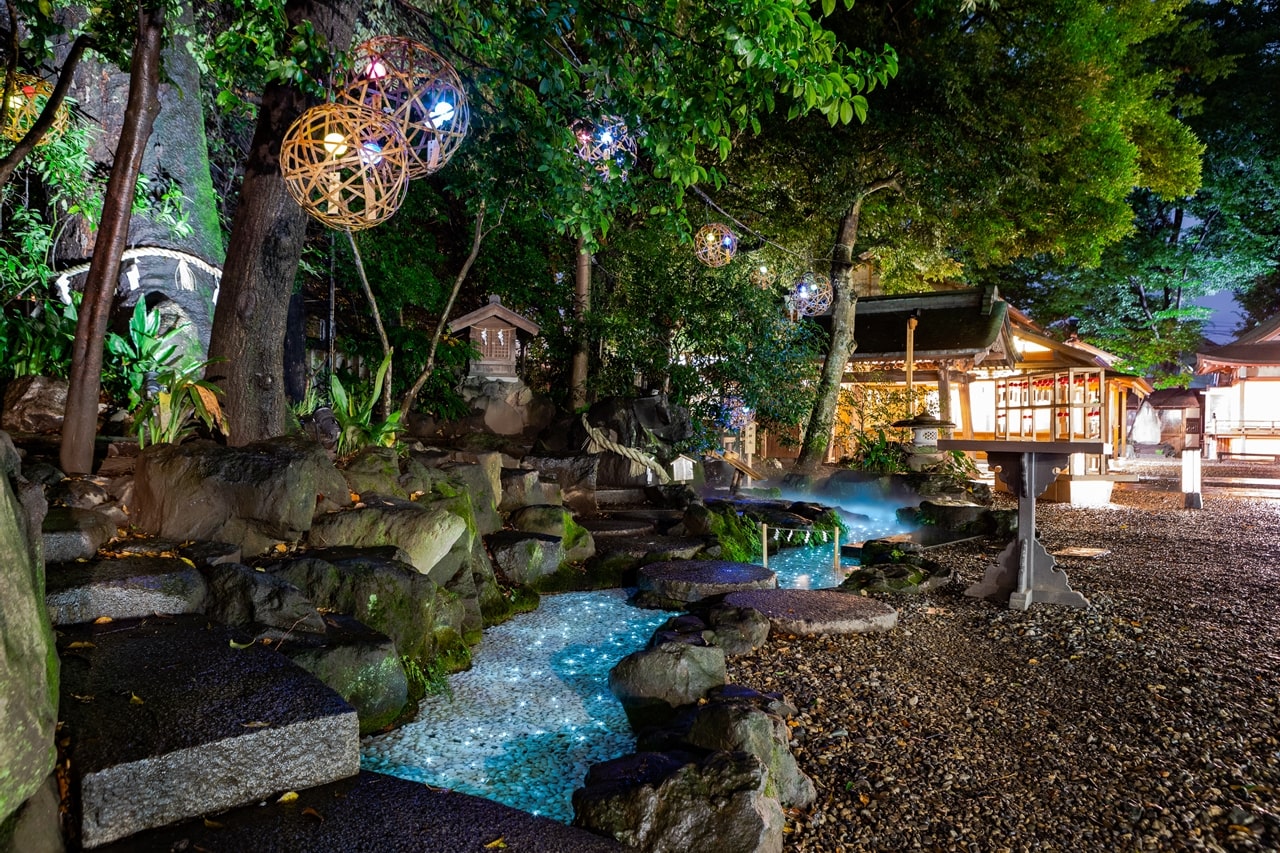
(263, 252)
(80, 423)
(176, 154)
(844, 303)
(581, 305)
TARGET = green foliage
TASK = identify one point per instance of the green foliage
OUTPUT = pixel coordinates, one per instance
(354, 413)
(429, 680)
(877, 453)
(36, 337)
(171, 414)
(737, 534)
(147, 349)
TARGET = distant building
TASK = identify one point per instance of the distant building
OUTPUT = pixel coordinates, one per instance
(1242, 402)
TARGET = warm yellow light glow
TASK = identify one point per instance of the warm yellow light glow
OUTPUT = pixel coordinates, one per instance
(335, 144)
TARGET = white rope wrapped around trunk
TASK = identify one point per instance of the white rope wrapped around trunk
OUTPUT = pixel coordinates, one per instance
(182, 276)
(639, 460)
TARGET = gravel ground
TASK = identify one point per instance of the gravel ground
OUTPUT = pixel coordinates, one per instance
(1148, 721)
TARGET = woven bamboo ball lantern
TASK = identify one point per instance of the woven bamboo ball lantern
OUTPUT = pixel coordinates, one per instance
(345, 165)
(421, 92)
(763, 277)
(603, 142)
(715, 244)
(26, 101)
(811, 294)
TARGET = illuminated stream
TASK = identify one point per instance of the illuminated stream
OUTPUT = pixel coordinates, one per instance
(534, 712)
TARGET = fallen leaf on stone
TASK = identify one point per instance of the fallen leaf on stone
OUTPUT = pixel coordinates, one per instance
(310, 812)
(288, 797)
(256, 724)
(79, 698)
(187, 560)
(212, 824)
(134, 699)
(496, 844)
(354, 497)
(81, 644)
(281, 547)
(102, 620)
(236, 645)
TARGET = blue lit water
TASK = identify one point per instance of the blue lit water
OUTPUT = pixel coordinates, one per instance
(534, 712)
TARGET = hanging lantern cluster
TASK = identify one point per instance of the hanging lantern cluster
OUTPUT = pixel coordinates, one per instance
(715, 244)
(763, 277)
(401, 115)
(26, 102)
(604, 141)
(347, 166)
(419, 89)
(811, 295)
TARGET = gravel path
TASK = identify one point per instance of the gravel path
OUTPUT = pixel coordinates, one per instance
(1149, 721)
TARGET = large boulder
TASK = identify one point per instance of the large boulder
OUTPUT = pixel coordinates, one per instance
(375, 471)
(384, 593)
(727, 725)
(575, 475)
(554, 520)
(482, 481)
(676, 802)
(425, 533)
(34, 404)
(28, 659)
(525, 558)
(253, 496)
(265, 603)
(360, 664)
(653, 682)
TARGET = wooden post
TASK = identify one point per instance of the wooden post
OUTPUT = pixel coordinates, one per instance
(764, 544)
(835, 559)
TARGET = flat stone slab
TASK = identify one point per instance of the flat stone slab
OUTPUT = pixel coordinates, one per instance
(167, 719)
(74, 534)
(371, 812)
(125, 588)
(680, 582)
(603, 528)
(818, 611)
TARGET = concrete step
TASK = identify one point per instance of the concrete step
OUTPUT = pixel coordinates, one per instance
(166, 718)
(123, 588)
(608, 497)
(605, 528)
(371, 812)
(75, 534)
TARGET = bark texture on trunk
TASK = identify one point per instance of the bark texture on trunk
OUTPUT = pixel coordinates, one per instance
(80, 423)
(844, 302)
(263, 252)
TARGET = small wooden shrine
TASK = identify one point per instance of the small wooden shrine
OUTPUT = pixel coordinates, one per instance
(499, 334)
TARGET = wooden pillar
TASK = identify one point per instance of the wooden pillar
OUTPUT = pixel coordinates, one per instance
(944, 394)
(966, 409)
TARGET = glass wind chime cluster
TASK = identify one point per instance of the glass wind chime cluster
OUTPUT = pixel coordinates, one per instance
(401, 114)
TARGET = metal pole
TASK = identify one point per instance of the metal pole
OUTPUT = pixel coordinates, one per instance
(835, 558)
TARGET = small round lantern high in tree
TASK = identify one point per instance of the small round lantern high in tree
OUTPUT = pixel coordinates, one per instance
(419, 90)
(715, 244)
(345, 165)
(763, 277)
(811, 295)
(605, 141)
(26, 102)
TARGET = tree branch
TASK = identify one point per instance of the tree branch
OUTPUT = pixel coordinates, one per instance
(47, 115)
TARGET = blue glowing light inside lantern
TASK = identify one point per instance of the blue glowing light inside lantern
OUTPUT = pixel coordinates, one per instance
(442, 113)
(370, 154)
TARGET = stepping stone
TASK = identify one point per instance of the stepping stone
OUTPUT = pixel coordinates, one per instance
(372, 811)
(604, 528)
(616, 497)
(818, 611)
(200, 552)
(678, 583)
(125, 588)
(74, 534)
(166, 719)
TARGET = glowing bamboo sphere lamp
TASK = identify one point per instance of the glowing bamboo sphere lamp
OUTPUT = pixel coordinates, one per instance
(605, 141)
(763, 277)
(715, 244)
(345, 165)
(26, 101)
(419, 90)
(811, 294)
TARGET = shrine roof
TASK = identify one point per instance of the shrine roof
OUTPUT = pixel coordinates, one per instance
(495, 309)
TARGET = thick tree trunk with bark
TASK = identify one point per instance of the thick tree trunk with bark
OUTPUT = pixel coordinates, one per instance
(844, 303)
(80, 422)
(263, 252)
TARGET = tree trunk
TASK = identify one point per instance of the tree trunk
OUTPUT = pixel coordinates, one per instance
(844, 302)
(581, 305)
(263, 252)
(80, 422)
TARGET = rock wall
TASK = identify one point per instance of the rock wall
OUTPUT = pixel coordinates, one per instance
(28, 660)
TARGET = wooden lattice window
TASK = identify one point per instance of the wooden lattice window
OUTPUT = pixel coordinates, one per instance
(495, 343)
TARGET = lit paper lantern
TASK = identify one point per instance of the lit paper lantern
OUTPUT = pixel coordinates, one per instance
(605, 141)
(811, 295)
(419, 90)
(345, 165)
(763, 277)
(26, 102)
(715, 244)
